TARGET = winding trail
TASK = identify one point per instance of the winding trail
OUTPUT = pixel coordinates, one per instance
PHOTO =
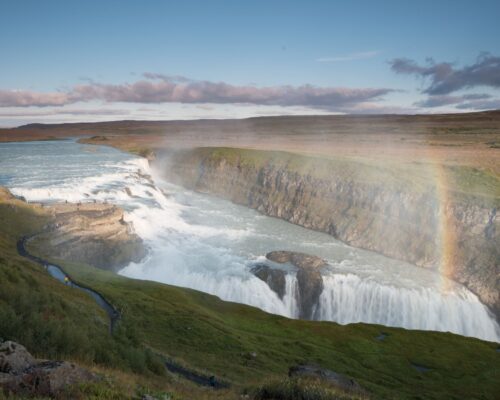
(57, 272)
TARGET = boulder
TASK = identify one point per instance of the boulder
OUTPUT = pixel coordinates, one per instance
(14, 358)
(22, 375)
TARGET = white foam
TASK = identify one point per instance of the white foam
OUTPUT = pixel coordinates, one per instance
(346, 299)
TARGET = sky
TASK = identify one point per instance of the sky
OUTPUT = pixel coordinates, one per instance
(64, 61)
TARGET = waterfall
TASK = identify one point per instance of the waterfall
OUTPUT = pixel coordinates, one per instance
(346, 298)
(205, 243)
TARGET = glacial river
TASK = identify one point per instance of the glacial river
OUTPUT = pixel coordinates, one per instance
(205, 243)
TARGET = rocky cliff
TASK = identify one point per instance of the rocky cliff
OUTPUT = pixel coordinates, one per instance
(404, 212)
(95, 234)
(91, 233)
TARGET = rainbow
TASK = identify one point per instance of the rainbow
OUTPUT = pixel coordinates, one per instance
(446, 236)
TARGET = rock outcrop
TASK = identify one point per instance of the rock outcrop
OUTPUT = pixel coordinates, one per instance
(22, 375)
(309, 279)
(91, 233)
(275, 278)
(405, 217)
(300, 260)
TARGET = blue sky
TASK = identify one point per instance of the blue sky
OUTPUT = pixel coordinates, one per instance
(341, 49)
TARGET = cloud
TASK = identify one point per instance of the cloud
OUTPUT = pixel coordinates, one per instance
(159, 88)
(24, 98)
(444, 78)
(349, 57)
(59, 111)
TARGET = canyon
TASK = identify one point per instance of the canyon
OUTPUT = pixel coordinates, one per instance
(401, 214)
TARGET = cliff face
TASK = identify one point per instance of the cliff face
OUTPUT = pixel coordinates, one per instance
(366, 206)
(94, 234)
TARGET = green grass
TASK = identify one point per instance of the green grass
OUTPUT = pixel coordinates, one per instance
(301, 389)
(216, 337)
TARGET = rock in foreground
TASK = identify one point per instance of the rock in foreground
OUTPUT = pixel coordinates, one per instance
(22, 375)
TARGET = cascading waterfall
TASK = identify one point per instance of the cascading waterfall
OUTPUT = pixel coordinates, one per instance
(347, 298)
(209, 244)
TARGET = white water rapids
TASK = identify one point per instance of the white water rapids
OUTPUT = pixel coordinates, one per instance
(209, 244)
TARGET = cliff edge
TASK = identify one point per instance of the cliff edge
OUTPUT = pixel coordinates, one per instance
(444, 218)
(90, 233)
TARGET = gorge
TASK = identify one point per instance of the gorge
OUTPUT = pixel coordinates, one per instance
(416, 212)
(209, 244)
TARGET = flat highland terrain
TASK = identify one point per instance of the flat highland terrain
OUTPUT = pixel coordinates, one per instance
(471, 139)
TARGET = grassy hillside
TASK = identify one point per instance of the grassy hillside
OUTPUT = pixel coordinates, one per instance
(237, 343)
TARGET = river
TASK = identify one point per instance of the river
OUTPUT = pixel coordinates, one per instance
(209, 244)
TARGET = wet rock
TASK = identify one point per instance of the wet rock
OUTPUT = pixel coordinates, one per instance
(310, 287)
(300, 260)
(275, 278)
(309, 279)
(313, 371)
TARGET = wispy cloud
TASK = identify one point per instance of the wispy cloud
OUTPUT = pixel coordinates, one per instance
(158, 88)
(349, 57)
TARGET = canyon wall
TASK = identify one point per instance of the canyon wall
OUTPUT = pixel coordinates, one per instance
(403, 212)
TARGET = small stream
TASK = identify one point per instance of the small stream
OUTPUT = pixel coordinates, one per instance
(58, 273)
